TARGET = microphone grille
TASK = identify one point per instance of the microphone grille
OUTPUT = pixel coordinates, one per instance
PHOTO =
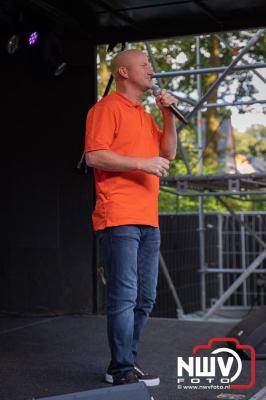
(156, 90)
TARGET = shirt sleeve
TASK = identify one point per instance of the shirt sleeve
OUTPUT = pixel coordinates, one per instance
(100, 128)
(155, 128)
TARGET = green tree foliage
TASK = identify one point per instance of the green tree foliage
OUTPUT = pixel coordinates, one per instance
(252, 142)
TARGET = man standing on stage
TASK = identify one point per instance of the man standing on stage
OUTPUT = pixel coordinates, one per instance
(129, 153)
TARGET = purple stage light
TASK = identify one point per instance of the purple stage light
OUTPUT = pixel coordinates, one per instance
(33, 37)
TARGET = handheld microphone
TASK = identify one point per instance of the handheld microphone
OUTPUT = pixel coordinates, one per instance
(156, 90)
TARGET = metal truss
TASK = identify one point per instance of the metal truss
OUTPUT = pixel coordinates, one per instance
(214, 70)
(216, 185)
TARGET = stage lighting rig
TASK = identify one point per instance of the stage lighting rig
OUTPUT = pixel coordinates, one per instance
(13, 44)
(33, 38)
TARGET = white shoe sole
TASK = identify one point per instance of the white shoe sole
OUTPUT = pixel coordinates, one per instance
(148, 382)
(108, 378)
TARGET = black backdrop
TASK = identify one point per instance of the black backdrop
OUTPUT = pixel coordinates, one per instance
(47, 245)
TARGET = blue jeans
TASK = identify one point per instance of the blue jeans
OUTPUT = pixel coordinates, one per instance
(130, 256)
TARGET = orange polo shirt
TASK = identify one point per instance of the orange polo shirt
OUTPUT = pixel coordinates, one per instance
(122, 198)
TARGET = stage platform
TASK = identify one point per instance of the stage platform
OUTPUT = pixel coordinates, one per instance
(42, 357)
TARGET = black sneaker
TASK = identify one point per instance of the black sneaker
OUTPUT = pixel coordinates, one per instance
(126, 378)
(149, 380)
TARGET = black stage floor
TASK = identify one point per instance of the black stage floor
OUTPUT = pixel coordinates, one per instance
(42, 357)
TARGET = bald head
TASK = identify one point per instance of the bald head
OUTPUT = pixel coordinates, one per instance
(132, 72)
(124, 59)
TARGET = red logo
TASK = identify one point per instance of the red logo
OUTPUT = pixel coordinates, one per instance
(236, 357)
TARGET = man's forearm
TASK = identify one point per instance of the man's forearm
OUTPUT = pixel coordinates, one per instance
(108, 160)
(111, 161)
(168, 144)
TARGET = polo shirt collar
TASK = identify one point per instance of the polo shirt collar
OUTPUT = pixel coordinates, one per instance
(127, 101)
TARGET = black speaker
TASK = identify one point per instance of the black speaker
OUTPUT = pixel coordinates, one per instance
(251, 330)
(134, 391)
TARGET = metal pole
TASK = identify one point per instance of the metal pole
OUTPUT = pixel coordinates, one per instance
(230, 67)
(180, 310)
(220, 254)
(235, 285)
(242, 223)
(200, 198)
(153, 63)
(210, 194)
(233, 270)
(236, 103)
(243, 258)
(187, 100)
(227, 44)
(217, 70)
